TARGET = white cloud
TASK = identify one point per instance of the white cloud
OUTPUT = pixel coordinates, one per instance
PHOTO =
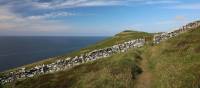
(52, 15)
(6, 17)
(79, 3)
(5, 14)
(16, 24)
(162, 2)
(194, 6)
(41, 5)
(89, 3)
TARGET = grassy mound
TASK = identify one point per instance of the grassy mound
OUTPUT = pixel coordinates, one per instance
(176, 63)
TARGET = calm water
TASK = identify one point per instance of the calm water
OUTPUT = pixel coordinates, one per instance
(18, 51)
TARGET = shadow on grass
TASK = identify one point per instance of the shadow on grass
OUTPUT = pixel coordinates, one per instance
(136, 70)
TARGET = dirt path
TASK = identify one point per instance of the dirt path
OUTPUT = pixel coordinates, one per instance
(145, 78)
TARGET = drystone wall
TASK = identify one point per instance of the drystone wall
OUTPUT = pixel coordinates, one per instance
(69, 62)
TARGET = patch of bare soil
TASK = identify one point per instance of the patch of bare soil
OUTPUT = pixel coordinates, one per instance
(145, 78)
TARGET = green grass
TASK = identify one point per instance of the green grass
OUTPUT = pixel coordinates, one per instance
(117, 71)
(176, 63)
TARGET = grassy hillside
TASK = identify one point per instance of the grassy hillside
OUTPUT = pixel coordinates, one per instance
(176, 63)
(118, 71)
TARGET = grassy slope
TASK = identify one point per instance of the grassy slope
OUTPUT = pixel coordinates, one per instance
(176, 63)
(117, 71)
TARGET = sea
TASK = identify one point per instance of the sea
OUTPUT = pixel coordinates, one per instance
(19, 51)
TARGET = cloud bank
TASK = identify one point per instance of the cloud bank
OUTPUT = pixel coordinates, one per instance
(40, 16)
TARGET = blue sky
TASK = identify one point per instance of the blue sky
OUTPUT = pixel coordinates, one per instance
(93, 17)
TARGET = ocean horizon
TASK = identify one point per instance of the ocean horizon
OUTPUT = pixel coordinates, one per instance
(17, 51)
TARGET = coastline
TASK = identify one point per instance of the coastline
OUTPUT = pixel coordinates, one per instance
(109, 41)
(39, 57)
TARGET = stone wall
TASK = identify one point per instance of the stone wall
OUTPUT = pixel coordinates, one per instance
(70, 62)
